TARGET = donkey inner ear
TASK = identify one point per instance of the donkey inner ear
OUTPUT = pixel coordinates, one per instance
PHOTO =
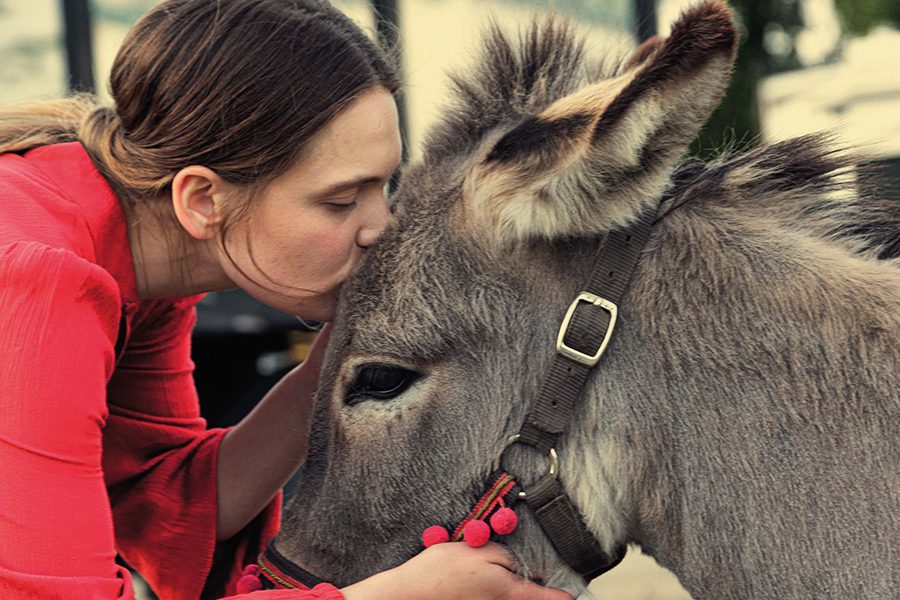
(591, 161)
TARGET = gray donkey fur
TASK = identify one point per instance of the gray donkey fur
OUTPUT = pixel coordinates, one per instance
(743, 426)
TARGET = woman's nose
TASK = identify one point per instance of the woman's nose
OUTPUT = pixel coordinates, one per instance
(375, 223)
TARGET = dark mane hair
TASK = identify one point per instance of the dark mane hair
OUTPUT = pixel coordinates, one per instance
(812, 181)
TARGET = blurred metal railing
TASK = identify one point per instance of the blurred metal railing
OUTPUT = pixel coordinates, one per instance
(78, 29)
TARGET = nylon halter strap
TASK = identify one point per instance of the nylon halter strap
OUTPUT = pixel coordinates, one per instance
(276, 572)
(583, 337)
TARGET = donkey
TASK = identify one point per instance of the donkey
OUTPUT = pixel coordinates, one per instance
(741, 427)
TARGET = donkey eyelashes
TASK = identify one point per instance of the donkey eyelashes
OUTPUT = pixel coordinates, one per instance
(377, 381)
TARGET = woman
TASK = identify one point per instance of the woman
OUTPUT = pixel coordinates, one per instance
(249, 146)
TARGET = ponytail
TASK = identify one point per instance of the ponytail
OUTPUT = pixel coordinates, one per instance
(38, 124)
(98, 128)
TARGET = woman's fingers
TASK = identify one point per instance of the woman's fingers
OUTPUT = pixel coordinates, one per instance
(499, 555)
(455, 571)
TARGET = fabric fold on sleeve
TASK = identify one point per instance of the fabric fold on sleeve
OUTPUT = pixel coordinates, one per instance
(166, 525)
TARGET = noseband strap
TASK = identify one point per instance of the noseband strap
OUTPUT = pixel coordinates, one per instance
(277, 572)
(583, 337)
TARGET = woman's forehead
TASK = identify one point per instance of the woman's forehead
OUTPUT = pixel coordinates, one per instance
(361, 144)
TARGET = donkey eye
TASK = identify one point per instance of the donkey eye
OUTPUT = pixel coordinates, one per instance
(379, 382)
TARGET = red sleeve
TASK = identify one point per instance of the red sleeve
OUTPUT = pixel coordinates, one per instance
(160, 463)
(58, 318)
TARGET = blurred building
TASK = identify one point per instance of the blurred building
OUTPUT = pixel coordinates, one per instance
(857, 95)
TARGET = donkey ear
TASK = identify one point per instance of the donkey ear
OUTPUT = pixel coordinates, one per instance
(593, 160)
(644, 51)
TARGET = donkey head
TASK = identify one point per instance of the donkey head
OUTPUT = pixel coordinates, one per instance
(442, 336)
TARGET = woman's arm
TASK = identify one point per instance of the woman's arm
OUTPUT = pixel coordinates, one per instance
(260, 454)
(59, 319)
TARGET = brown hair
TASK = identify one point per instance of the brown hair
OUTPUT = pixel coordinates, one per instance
(239, 86)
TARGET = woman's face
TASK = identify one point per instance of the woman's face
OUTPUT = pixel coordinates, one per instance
(311, 226)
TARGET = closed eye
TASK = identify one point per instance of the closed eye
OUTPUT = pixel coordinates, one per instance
(341, 206)
(376, 381)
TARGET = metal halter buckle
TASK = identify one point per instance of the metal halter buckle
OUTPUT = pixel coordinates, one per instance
(569, 352)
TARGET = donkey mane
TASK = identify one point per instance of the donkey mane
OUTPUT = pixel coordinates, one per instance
(804, 181)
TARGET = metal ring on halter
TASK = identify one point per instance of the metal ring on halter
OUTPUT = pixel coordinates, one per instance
(552, 455)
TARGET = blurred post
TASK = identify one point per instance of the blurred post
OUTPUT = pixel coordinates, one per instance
(79, 53)
(645, 19)
(387, 25)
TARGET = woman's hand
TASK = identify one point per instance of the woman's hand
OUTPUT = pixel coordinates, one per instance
(313, 362)
(453, 571)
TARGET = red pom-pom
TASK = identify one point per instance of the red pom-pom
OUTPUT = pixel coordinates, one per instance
(248, 583)
(504, 521)
(476, 533)
(251, 570)
(435, 535)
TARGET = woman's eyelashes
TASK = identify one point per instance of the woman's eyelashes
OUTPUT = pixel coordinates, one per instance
(343, 202)
(341, 206)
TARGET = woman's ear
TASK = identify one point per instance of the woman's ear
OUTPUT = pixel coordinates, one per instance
(198, 199)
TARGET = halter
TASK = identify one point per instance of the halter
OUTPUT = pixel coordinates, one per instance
(584, 335)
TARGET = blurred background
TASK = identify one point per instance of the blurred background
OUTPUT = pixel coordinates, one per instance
(803, 66)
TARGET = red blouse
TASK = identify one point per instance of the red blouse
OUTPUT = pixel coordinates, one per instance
(101, 452)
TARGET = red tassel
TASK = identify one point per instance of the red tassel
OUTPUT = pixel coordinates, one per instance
(435, 535)
(248, 583)
(476, 533)
(504, 521)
